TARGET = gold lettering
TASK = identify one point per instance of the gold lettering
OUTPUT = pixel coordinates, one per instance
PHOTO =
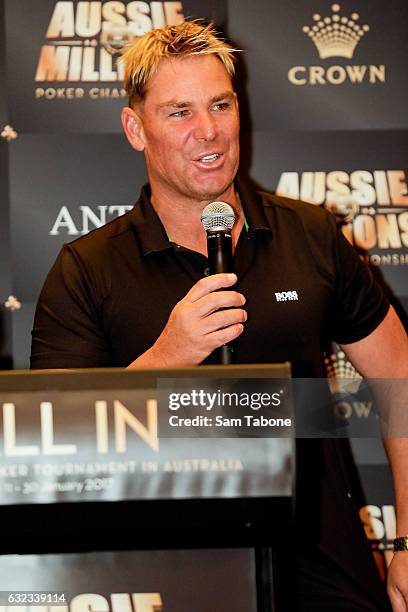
(356, 73)
(89, 602)
(336, 75)
(403, 223)
(102, 431)
(88, 19)
(62, 22)
(337, 186)
(106, 92)
(313, 187)
(106, 64)
(293, 78)
(147, 602)
(387, 229)
(47, 433)
(364, 231)
(88, 64)
(113, 13)
(398, 187)
(288, 185)
(373, 526)
(139, 20)
(316, 74)
(386, 260)
(377, 73)
(9, 433)
(389, 521)
(363, 193)
(331, 75)
(121, 603)
(123, 418)
(75, 64)
(157, 14)
(61, 92)
(381, 187)
(53, 63)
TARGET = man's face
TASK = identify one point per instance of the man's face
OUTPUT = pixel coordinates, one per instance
(190, 128)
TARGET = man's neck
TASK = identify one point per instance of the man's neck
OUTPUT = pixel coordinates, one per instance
(181, 218)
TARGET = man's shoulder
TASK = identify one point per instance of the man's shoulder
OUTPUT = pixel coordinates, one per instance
(312, 222)
(306, 212)
(100, 240)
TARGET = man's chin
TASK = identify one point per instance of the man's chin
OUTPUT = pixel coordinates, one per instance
(211, 190)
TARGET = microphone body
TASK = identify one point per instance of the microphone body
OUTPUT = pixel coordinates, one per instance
(219, 245)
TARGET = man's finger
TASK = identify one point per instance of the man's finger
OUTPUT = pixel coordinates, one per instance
(218, 299)
(224, 318)
(226, 335)
(210, 283)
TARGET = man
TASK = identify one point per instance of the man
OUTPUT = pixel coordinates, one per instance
(135, 292)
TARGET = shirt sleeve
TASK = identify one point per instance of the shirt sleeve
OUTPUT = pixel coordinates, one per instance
(68, 331)
(359, 303)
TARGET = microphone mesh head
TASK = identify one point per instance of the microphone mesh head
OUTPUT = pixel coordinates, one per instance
(218, 216)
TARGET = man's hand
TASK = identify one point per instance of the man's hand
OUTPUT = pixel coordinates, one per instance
(197, 326)
(397, 580)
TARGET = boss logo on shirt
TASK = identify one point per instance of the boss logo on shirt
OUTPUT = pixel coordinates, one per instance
(284, 296)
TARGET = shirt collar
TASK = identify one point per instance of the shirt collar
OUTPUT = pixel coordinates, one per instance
(252, 205)
(150, 231)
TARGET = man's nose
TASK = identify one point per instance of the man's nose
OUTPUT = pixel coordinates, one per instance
(205, 128)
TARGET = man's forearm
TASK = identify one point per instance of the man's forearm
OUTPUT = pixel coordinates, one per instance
(152, 358)
(397, 451)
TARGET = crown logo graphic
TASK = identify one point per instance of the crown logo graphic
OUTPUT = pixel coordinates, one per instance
(336, 36)
(341, 373)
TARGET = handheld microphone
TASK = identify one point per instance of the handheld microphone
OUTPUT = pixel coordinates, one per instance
(218, 219)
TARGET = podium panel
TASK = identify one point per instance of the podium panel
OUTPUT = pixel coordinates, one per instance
(138, 581)
(90, 464)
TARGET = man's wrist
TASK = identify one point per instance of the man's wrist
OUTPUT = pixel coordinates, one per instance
(401, 544)
(149, 359)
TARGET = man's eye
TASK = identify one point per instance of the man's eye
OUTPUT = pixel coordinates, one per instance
(220, 106)
(180, 113)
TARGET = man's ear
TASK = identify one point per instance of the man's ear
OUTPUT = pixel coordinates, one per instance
(236, 103)
(133, 127)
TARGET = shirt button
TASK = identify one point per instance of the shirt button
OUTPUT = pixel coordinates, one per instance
(206, 271)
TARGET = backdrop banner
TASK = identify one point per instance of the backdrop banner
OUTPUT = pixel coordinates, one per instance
(300, 78)
(64, 76)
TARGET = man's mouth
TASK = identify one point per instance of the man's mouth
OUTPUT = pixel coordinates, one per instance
(207, 159)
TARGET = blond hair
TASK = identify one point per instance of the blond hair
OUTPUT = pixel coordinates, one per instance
(189, 38)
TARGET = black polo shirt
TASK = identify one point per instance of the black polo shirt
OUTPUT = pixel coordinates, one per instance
(109, 294)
